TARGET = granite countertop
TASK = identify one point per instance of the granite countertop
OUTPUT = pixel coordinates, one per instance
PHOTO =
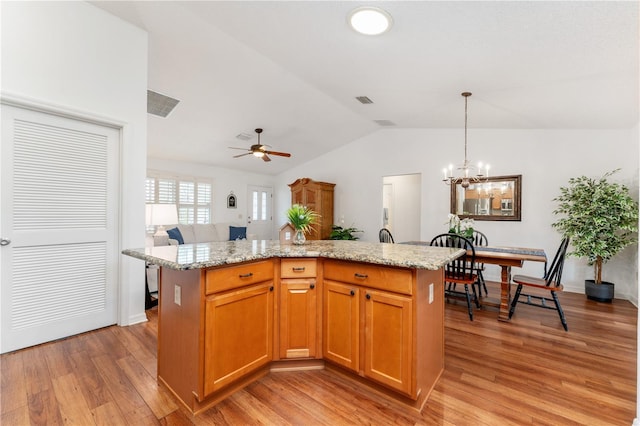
(205, 255)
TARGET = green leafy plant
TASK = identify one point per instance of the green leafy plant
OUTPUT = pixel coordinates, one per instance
(302, 217)
(599, 217)
(340, 233)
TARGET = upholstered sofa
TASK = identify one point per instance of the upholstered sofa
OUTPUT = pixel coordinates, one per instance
(198, 233)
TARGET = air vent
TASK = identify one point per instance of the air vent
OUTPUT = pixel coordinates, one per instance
(160, 105)
(244, 136)
(385, 123)
(364, 100)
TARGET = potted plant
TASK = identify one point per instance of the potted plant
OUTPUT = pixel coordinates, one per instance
(462, 227)
(340, 233)
(601, 219)
(302, 218)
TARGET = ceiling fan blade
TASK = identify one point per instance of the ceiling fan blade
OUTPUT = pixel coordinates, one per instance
(281, 154)
(241, 155)
(235, 147)
(266, 158)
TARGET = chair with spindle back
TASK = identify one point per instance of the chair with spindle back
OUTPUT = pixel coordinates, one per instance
(460, 270)
(479, 239)
(385, 236)
(551, 281)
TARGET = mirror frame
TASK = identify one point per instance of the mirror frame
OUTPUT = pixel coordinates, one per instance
(517, 199)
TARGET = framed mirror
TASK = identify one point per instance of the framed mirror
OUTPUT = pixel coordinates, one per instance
(495, 198)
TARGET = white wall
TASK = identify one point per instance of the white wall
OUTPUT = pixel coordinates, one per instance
(74, 56)
(224, 181)
(546, 159)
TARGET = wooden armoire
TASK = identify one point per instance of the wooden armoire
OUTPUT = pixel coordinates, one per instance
(318, 196)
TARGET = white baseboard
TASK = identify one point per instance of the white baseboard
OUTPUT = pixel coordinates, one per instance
(136, 319)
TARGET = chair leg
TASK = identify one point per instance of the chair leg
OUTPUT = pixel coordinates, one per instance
(466, 290)
(484, 284)
(514, 302)
(475, 296)
(560, 311)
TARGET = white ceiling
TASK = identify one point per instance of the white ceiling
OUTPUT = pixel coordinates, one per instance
(294, 68)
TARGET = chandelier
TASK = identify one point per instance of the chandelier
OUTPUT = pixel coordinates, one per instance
(468, 173)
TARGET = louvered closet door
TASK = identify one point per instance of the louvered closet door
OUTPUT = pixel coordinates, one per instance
(59, 200)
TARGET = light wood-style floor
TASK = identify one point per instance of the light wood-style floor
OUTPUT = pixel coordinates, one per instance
(529, 371)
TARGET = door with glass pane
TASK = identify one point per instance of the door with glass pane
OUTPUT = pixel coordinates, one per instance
(59, 198)
(259, 214)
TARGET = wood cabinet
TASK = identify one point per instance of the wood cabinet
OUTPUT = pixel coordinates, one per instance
(341, 319)
(298, 309)
(215, 329)
(369, 323)
(380, 325)
(238, 334)
(318, 196)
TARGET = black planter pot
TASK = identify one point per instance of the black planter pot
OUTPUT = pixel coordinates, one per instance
(599, 292)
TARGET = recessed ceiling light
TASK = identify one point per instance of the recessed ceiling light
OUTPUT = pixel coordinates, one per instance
(370, 20)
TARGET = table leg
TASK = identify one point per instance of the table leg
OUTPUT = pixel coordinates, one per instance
(505, 293)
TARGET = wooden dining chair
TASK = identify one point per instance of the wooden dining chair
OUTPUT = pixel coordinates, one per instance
(479, 239)
(551, 281)
(460, 270)
(385, 236)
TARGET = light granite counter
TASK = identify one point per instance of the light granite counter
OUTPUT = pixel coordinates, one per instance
(205, 255)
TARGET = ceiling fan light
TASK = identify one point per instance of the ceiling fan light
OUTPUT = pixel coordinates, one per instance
(370, 20)
(258, 154)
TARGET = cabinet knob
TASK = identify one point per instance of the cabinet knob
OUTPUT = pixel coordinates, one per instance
(271, 288)
(312, 286)
(353, 293)
(368, 296)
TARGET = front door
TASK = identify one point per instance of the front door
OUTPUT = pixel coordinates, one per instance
(59, 226)
(259, 214)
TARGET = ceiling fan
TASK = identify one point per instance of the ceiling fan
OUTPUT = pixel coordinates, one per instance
(260, 150)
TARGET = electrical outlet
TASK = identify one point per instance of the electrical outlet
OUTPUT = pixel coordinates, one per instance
(177, 295)
(430, 293)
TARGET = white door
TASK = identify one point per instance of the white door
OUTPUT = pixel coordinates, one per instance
(59, 184)
(259, 214)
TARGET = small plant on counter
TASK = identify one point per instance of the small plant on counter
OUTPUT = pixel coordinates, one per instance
(302, 217)
(340, 233)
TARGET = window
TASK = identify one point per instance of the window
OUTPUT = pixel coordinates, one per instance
(192, 196)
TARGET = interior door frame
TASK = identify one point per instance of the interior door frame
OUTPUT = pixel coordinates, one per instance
(129, 311)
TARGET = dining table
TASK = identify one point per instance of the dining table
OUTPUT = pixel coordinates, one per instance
(506, 258)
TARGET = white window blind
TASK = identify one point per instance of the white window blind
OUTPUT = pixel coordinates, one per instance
(192, 196)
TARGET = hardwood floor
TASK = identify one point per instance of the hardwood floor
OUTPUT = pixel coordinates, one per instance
(529, 371)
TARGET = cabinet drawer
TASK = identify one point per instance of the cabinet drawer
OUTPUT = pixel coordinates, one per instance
(298, 268)
(375, 276)
(226, 278)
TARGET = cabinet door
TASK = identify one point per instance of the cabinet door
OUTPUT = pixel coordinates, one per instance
(238, 334)
(341, 317)
(298, 318)
(388, 354)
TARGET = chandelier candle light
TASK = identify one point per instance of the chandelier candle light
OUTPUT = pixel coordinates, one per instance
(469, 172)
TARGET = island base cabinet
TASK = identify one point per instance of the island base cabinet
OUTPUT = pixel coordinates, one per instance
(388, 339)
(341, 324)
(298, 318)
(238, 334)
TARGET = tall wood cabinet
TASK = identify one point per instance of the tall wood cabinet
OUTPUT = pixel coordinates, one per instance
(318, 196)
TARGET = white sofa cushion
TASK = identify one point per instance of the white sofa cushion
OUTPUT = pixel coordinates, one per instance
(205, 233)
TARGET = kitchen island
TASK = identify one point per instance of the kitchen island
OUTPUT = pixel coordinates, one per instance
(231, 312)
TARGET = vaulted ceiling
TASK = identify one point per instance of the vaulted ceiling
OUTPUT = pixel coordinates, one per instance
(294, 68)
